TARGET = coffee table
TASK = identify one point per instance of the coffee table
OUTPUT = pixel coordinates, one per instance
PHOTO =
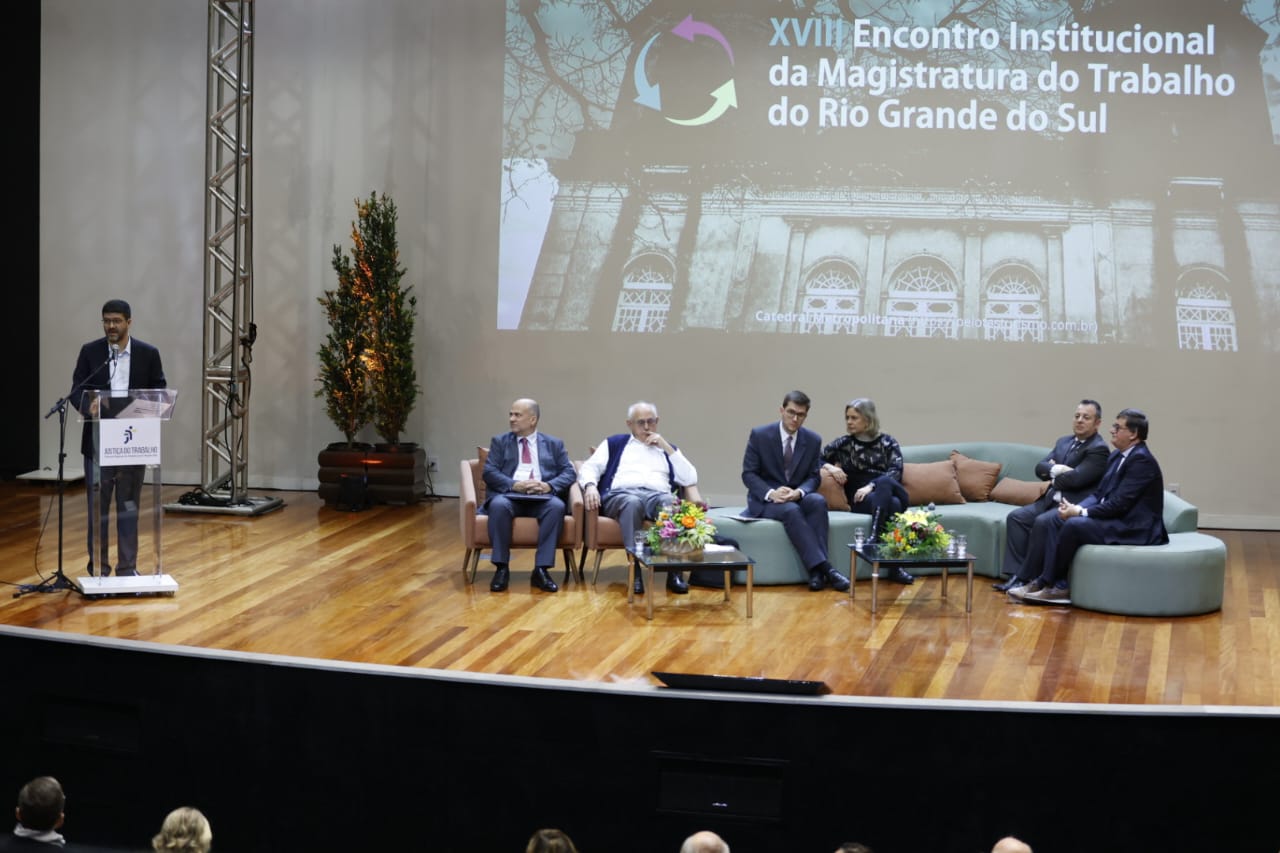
(730, 561)
(871, 553)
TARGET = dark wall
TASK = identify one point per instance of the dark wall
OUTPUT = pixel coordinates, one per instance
(289, 758)
(20, 430)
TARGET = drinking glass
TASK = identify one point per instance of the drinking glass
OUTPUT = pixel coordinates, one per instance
(951, 543)
(962, 546)
(859, 538)
(638, 545)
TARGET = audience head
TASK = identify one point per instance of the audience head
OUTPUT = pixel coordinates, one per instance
(853, 847)
(868, 422)
(1009, 844)
(707, 841)
(550, 841)
(41, 803)
(184, 830)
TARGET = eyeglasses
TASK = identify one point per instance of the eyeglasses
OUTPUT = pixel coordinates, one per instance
(645, 422)
(1117, 427)
(792, 413)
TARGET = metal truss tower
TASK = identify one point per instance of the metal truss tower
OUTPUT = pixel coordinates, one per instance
(229, 330)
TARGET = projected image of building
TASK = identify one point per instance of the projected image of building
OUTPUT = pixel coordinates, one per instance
(1135, 217)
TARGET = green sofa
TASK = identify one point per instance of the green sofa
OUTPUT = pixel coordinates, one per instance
(982, 523)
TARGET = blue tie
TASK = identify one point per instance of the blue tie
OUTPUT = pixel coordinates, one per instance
(1112, 467)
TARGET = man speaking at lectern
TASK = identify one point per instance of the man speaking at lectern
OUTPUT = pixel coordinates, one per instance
(114, 363)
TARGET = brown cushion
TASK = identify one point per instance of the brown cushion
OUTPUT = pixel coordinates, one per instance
(1018, 492)
(833, 492)
(931, 482)
(976, 477)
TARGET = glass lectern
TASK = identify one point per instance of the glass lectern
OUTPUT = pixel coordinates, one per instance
(124, 432)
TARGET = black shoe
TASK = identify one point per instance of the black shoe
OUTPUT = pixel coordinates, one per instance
(817, 580)
(501, 577)
(638, 586)
(676, 584)
(1007, 584)
(838, 581)
(120, 573)
(541, 580)
(897, 574)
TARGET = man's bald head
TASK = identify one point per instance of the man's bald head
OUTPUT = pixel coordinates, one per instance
(1009, 844)
(704, 842)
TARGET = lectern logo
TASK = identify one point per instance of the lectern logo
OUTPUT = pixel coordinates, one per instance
(128, 434)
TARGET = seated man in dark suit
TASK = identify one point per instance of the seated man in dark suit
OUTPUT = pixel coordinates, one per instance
(527, 474)
(780, 471)
(1073, 468)
(40, 816)
(1126, 509)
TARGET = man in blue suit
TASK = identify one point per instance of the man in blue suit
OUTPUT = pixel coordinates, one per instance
(528, 473)
(1126, 509)
(1073, 469)
(113, 364)
(780, 471)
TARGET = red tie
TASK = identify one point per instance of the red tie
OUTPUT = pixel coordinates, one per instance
(525, 458)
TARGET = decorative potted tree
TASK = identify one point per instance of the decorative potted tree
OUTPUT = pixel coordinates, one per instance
(367, 373)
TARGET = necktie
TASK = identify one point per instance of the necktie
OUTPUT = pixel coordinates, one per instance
(787, 454)
(1112, 467)
(525, 457)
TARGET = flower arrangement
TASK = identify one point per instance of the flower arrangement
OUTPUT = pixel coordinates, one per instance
(914, 532)
(684, 527)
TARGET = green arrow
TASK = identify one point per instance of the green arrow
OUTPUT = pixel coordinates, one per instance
(726, 96)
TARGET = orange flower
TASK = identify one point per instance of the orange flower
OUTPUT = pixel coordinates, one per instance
(688, 521)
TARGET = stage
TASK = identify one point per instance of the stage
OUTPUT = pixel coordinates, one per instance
(349, 647)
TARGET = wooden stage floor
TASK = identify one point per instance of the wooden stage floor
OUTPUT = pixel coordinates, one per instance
(385, 586)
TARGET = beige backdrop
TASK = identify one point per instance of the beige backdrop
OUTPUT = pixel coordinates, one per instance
(405, 96)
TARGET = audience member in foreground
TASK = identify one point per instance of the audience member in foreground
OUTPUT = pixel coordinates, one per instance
(704, 842)
(550, 841)
(185, 830)
(527, 473)
(633, 476)
(780, 471)
(1073, 468)
(853, 847)
(868, 463)
(1009, 844)
(1126, 509)
(40, 815)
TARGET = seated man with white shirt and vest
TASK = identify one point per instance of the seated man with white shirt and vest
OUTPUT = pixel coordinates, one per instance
(634, 476)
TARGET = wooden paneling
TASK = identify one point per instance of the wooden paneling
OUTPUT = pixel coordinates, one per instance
(386, 586)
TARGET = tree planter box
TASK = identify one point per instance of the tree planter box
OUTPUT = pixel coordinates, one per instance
(393, 475)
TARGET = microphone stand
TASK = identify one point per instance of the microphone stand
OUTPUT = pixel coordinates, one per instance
(59, 579)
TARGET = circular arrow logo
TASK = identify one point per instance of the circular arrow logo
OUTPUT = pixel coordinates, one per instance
(723, 97)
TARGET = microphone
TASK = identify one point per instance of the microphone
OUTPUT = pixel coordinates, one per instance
(115, 353)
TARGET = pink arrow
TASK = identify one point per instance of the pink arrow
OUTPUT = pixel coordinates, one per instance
(688, 29)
